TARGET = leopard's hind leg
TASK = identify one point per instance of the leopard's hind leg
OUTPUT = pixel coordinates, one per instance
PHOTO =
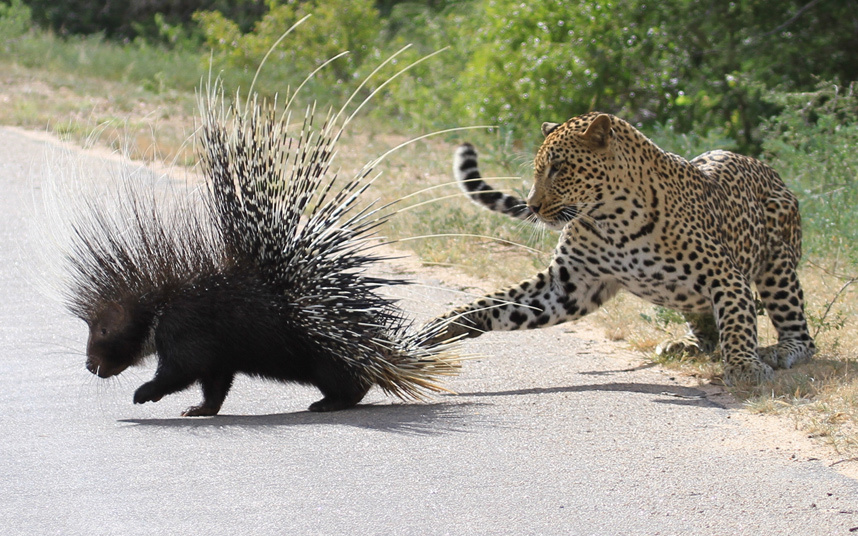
(783, 298)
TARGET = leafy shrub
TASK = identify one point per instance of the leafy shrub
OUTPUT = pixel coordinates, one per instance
(334, 26)
(694, 65)
(542, 61)
(812, 145)
(131, 19)
(689, 144)
(421, 98)
(14, 21)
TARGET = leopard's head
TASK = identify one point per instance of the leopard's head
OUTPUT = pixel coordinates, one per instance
(571, 168)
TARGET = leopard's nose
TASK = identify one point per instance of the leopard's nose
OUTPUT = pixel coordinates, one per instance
(534, 207)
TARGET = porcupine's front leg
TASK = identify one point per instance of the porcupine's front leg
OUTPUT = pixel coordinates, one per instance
(168, 379)
(562, 293)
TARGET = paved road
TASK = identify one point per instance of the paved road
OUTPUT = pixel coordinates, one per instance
(565, 439)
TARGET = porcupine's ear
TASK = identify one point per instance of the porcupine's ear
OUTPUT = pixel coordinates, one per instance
(548, 128)
(599, 132)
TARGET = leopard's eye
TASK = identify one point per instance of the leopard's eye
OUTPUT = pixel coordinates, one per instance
(554, 169)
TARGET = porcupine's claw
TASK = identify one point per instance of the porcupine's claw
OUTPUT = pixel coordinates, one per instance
(201, 411)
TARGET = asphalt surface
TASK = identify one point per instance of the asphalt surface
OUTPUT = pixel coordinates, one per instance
(548, 434)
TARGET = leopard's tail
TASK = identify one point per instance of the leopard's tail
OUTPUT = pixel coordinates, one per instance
(470, 180)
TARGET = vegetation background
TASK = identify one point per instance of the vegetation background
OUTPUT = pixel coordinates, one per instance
(773, 79)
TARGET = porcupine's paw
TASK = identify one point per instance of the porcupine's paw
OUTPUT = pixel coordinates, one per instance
(200, 411)
(787, 353)
(148, 392)
(336, 403)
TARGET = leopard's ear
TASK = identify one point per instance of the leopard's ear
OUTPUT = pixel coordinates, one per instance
(599, 131)
(548, 128)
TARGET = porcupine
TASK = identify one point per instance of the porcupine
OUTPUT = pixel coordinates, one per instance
(248, 285)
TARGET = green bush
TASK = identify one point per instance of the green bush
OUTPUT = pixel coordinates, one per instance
(812, 145)
(543, 61)
(131, 19)
(334, 26)
(689, 144)
(692, 65)
(15, 21)
(421, 98)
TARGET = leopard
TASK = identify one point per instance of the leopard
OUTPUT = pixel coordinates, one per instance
(695, 236)
(701, 336)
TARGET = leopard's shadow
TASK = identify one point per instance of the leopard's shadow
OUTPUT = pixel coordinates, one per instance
(666, 394)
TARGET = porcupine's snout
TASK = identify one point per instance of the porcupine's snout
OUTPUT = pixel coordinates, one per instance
(103, 368)
(109, 355)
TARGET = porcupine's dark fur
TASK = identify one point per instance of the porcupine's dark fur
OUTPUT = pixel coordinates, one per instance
(247, 285)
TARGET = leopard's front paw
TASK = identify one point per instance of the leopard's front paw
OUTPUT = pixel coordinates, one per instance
(787, 353)
(446, 328)
(747, 372)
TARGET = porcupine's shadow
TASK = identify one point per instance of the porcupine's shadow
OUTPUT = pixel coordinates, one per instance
(410, 419)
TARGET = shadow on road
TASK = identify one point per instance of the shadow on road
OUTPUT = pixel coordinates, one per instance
(410, 419)
(643, 366)
(683, 396)
(426, 419)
